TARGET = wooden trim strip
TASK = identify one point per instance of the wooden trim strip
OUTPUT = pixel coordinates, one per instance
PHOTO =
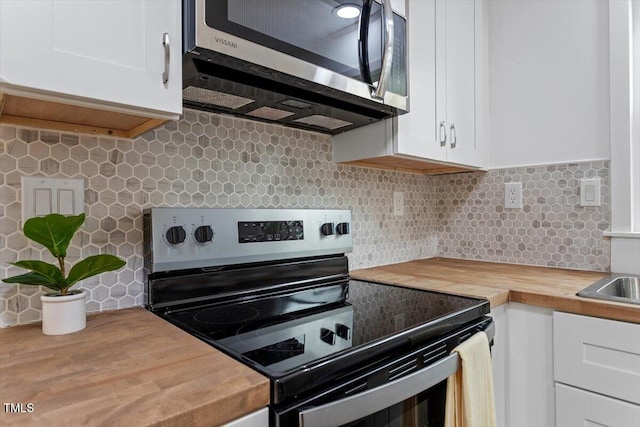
(402, 164)
(65, 127)
(146, 126)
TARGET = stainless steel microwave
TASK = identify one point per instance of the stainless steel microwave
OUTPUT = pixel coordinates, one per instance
(321, 65)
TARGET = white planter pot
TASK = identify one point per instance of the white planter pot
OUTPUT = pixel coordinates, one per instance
(64, 314)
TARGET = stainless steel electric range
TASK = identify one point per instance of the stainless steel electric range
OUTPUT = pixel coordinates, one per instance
(271, 288)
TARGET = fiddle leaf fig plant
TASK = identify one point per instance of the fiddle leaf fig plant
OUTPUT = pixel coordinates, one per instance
(54, 232)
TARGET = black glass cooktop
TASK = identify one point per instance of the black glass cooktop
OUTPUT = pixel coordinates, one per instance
(284, 332)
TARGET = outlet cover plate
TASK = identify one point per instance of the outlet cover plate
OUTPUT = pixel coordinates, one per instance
(513, 195)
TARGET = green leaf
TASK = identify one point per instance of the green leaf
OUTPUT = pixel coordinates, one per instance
(53, 231)
(44, 268)
(93, 265)
(35, 279)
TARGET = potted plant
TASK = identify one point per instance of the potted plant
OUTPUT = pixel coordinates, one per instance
(63, 311)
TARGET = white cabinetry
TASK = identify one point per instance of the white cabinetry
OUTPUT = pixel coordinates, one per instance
(123, 57)
(530, 387)
(499, 357)
(442, 129)
(522, 357)
(576, 407)
(457, 26)
(597, 371)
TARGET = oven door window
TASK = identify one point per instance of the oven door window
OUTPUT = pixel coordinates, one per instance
(312, 31)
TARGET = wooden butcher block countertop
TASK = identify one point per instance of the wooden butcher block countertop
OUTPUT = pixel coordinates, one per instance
(127, 368)
(542, 286)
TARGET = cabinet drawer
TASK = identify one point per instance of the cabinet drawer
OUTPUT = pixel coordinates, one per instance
(575, 407)
(598, 355)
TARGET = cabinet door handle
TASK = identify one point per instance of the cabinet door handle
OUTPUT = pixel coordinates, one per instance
(167, 57)
(443, 134)
(454, 136)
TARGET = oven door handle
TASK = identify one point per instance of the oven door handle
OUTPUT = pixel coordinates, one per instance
(358, 406)
(369, 402)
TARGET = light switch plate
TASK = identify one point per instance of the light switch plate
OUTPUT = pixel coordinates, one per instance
(590, 192)
(42, 196)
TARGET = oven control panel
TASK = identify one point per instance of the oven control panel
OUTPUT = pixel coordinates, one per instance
(270, 231)
(182, 238)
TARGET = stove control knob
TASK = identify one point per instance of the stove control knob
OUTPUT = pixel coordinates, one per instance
(327, 229)
(343, 331)
(328, 336)
(342, 228)
(176, 235)
(203, 234)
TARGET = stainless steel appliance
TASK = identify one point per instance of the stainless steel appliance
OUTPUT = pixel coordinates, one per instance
(271, 288)
(297, 63)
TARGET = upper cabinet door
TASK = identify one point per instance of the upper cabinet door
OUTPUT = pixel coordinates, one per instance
(458, 78)
(123, 53)
(460, 81)
(444, 61)
(417, 130)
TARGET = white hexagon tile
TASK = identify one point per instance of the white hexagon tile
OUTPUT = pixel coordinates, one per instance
(208, 160)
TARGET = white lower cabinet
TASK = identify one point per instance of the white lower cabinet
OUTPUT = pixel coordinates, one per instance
(576, 407)
(522, 356)
(499, 361)
(530, 387)
(564, 370)
(259, 418)
(597, 371)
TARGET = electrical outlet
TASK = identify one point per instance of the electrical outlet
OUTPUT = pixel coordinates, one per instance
(513, 195)
(398, 203)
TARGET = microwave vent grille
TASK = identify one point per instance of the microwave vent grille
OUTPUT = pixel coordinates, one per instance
(323, 122)
(220, 99)
(269, 113)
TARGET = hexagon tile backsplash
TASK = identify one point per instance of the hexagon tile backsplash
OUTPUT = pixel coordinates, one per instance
(551, 229)
(208, 160)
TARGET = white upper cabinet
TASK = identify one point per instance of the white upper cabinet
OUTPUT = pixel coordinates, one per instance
(118, 56)
(441, 132)
(417, 134)
(457, 23)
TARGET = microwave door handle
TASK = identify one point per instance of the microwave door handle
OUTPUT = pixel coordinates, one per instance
(387, 57)
(363, 42)
(360, 405)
